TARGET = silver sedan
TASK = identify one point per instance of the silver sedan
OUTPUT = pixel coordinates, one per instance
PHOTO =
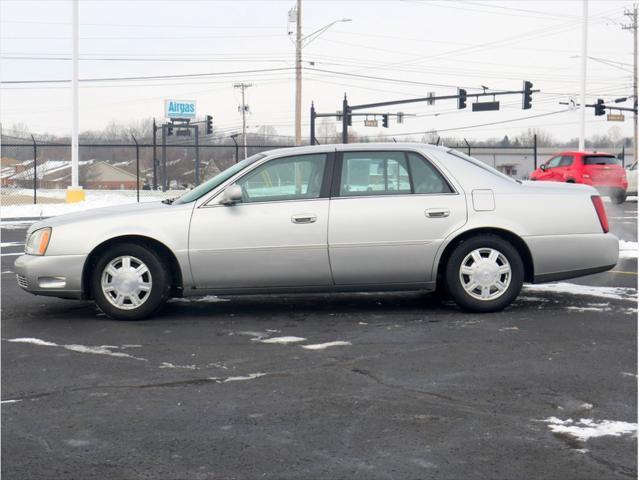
(330, 218)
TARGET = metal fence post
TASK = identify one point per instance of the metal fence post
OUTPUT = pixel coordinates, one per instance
(312, 124)
(35, 170)
(165, 182)
(535, 150)
(237, 148)
(468, 146)
(137, 168)
(197, 155)
(155, 160)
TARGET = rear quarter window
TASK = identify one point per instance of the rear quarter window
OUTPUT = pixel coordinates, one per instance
(601, 160)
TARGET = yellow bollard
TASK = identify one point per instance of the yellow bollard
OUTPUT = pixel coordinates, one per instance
(75, 194)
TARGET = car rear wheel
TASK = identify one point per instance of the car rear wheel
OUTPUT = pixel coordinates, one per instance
(129, 282)
(484, 274)
(618, 196)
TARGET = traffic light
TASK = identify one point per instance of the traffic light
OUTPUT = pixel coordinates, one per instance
(209, 124)
(600, 108)
(385, 120)
(527, 103)
(169, 130)
(349, 119)
(461, 101)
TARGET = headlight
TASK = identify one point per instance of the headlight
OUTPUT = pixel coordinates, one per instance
(38, 242)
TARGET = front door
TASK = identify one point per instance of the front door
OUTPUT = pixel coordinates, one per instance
(274, 237)
(388, 216)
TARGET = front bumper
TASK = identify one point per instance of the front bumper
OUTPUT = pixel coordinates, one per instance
(558, 257)
(55, 276)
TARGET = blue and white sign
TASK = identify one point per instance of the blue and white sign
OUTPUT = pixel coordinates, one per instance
(179, 108)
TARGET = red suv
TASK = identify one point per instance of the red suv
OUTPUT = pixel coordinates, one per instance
(601, 170)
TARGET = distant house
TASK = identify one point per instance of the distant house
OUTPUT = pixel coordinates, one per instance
(56, 174)
(7, 170)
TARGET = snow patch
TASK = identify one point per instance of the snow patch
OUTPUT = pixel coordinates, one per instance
(97, 350)
(589, 309)
(280, 340)
(628, 374)
(628, 249)
(9, 401)
(250, 376)
(322, 346)
(614, 293)
(206, 298)
(587, 428)
(11, 244)
(170, 365)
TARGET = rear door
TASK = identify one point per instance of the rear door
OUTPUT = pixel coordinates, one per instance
(389, 212)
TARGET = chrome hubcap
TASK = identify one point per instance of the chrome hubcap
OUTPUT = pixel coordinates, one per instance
(485, 274)
(126, 282)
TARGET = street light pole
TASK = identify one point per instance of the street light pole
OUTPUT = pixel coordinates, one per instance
(298, 73)
(300, 43)
(584, 57)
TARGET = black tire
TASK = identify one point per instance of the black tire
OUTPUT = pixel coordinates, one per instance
(618, 196)
(454, 284)
(154, 299)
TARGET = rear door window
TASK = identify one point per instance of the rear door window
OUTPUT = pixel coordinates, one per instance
(374, 173)
(601, 160)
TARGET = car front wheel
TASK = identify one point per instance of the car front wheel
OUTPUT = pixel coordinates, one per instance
(129, 282)
(484, 274)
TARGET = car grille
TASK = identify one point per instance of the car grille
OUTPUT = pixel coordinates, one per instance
(22, 281)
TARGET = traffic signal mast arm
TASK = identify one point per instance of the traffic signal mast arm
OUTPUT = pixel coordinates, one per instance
(441, 97)
(600, 107)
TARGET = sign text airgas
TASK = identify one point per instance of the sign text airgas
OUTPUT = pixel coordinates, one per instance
(179, 108)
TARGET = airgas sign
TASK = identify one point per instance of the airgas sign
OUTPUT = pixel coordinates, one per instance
(179, 109)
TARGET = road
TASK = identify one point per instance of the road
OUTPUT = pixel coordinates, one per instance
(415, 389)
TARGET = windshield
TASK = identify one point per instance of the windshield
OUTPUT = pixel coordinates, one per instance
(217, 180)
(601, 160)
(481, 165)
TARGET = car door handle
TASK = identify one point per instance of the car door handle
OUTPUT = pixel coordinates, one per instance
(304, 218)
(437, 212)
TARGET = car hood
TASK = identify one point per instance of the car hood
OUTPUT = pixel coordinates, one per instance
(126, 210)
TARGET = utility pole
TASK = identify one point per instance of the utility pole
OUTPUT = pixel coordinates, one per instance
(243, 108)
(298, 73)
(633, 27)
(584, 57)
(75, 193)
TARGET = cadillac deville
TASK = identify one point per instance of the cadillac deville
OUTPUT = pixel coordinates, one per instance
(329, 218)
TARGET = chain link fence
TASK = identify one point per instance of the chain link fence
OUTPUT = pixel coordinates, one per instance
(33, 172)
(40, 173)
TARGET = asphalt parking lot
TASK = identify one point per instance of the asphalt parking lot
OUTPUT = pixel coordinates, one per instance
(392, 386)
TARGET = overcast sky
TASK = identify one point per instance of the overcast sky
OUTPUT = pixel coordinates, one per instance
(413, 47)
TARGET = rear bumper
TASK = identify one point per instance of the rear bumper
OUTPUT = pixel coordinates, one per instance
(557, 257)
(56, 276)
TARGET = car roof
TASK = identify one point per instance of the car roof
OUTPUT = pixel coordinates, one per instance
(341, 147)
(581, 153)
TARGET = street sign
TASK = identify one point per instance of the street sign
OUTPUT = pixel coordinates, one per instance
(183, 109)
(616, 117)
(370, 123)
(485, 106)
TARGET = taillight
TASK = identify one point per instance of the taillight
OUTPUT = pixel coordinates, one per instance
(601, 212)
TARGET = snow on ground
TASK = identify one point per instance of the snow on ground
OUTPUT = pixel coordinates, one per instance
(94, 199)
(250, 376)
(587, 428)
(280, 340)
(628, 249)
(98, 350)
(614, 293)
(322, 346)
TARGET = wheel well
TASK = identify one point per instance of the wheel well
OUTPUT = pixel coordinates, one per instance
(570, 180)
(510, 237)
(165, 254)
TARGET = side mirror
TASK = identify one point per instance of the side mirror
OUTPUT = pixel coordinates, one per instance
(232, 195)
(543, 167)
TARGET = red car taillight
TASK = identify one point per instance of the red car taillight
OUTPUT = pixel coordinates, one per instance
(601, 212)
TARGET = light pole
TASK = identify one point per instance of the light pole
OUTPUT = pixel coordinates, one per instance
(300, 43)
